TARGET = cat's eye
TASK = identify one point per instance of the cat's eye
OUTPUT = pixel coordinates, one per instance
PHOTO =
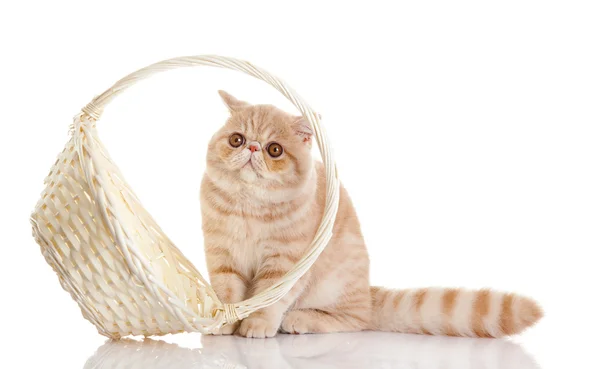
(274, 149)
(236, 140)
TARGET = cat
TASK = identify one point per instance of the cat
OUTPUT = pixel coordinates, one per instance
(262, 198)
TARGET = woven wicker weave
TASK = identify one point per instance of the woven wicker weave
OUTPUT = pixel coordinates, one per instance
(112, 257)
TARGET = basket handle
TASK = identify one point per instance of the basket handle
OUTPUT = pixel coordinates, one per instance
(94, 109)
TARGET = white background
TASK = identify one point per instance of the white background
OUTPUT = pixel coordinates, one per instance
(467, 133)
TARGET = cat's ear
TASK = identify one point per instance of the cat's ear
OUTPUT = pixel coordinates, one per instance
(302, 128)
(231, 102)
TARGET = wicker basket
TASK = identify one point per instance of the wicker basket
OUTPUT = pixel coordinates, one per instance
(110, 255)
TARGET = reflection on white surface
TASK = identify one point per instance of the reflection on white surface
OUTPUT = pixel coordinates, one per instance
(352, 350)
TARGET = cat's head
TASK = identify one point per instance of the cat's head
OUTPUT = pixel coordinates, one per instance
(261, 146)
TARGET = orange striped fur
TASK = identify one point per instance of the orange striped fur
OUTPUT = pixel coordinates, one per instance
(452, 312)
(259, 215)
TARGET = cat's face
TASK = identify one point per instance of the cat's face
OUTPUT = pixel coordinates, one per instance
(261, 145)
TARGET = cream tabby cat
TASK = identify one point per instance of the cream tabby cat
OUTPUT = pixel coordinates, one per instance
(262, 199)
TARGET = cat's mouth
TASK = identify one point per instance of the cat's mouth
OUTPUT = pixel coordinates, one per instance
(250, 172)
(251, 167)
(254, 168)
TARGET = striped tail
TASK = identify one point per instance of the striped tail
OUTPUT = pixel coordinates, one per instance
(452, 312)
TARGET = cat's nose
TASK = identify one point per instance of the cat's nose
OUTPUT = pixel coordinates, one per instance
(254, 147)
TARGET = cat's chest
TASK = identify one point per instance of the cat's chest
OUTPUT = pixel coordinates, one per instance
(255, 224)
(246, 241)
(247, 229)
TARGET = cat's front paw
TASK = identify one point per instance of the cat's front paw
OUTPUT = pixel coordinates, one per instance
(297, 322)
(258, 327)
